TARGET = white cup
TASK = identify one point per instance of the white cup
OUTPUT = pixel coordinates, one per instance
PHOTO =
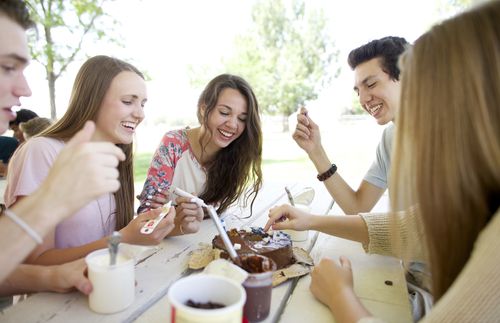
(113, 286)
(299, 236)
(204, 288)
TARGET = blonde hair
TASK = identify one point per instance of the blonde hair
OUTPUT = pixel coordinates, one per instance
(447, 148)
(34, 126)
(91, 84)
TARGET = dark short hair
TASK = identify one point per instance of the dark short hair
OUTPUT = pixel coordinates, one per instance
(23, 115)
(388, 49)
(17, 10)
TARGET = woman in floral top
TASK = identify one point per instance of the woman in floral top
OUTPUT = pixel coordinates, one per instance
(216, 161)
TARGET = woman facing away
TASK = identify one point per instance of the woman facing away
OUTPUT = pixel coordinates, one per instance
(446, 170)
(215, 161)
(112, 93)
(451, 103)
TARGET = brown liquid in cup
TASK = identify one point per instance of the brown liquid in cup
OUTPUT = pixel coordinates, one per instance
(258, 303)
(258, 286)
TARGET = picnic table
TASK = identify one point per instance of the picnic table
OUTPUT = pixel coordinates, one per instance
(159, 266)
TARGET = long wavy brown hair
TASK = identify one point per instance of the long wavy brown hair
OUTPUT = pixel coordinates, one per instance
(238, 165)
(91, 84)
(447, 156)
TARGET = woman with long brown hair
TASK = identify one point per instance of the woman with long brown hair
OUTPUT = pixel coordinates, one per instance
(112, 93)
(217, 160)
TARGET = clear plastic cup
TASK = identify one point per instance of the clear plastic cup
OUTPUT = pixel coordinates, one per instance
(299, 236)
(258, 287)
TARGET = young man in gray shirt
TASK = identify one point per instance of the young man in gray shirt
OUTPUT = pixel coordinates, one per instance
(377, 84)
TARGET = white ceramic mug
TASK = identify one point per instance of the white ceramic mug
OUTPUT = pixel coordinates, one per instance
(299, 236)
(204, 288)
(113, 286)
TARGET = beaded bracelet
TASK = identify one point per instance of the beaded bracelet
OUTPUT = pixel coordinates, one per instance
(326, 175)
(20, 222)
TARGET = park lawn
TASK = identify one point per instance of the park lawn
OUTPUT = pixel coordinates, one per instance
(272, 169)
(141, 165)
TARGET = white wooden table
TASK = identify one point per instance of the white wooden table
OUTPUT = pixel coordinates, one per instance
(389, 302)
(168, 263)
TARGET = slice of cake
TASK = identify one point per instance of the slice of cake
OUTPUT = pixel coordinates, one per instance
(277, 246)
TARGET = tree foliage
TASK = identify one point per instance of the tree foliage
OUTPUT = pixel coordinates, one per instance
(287, 56)
(62, 28)
(355, 107)
(452, 7)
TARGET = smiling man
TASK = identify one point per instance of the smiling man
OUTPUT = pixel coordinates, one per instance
(376, 81)
(376, 75)
(64, 191)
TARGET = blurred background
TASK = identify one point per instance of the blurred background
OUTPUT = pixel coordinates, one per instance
(293, 52)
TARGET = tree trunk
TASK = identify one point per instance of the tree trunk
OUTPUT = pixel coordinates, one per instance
(52, 91)
(49, 68)
(285, 124)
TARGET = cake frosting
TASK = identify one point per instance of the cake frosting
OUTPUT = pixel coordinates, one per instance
(277, 246)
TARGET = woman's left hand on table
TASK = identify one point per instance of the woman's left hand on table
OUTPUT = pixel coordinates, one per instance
(330, 279)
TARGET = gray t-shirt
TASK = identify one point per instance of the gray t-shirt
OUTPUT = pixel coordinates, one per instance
(378, 174)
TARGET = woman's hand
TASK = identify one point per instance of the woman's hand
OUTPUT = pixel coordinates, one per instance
(68, 276)
(132, 232)
(330, 280)
(189, 215)
(332, 284)
(157, 200)
(58, 278)
(287, 217)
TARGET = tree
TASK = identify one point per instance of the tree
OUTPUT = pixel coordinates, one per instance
(65, 25)
(286, 57)
(355, 107)
(453, 7)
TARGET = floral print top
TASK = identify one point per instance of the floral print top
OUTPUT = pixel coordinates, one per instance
(173, 164)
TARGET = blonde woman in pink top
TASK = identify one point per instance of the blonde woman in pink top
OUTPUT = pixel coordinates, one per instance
(112, 93)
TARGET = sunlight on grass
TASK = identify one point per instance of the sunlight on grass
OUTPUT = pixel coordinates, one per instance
(350, 144)
(283, 170)
(301, 168)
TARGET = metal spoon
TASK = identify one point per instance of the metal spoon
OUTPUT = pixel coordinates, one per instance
(113, 242)
(290, 197)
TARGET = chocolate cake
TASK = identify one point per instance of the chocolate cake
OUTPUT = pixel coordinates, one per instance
(277, 246)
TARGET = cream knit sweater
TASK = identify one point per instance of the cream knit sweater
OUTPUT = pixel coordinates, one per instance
(475, 294)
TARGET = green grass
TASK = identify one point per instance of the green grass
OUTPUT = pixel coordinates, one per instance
(141, 165)
(269, 162)
(273, 169)
(296, 169)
